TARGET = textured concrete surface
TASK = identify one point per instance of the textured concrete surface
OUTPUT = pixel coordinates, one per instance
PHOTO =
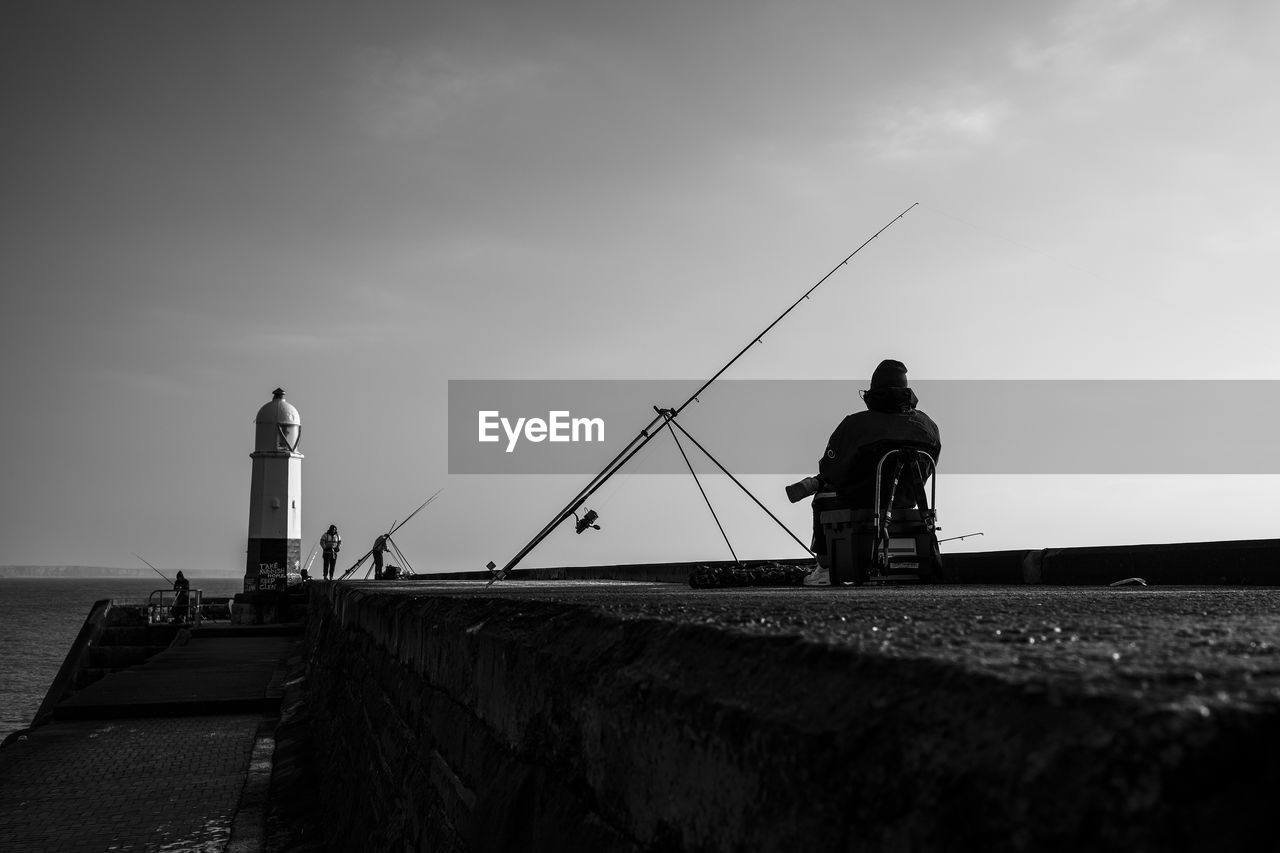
(595, 716)
(1250, 562)
(1167, 644)
(204, 675)
(610, 716)
(171, 755)
(1246, 562)
(293, 820)
(150, 784)
(1176, 644)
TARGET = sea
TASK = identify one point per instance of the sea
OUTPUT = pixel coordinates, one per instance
(40, 618)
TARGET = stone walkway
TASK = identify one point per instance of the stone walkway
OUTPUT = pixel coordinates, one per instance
(155, 784)
(156, 762)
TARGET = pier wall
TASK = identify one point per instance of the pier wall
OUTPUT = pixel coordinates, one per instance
(1246, 562)
(468, 721)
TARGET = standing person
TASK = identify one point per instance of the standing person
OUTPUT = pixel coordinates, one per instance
(379, 548)
(891, 415)
(181, 596)
(331, 544)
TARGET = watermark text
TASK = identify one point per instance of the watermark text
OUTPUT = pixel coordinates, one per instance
(558, 426)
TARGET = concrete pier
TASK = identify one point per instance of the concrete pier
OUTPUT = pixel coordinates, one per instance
(171, 754)
(612, 716)
(573, 710)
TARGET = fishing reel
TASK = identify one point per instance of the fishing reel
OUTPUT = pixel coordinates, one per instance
(588, 520)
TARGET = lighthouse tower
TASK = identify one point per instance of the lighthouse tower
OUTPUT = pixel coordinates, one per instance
(275, 497)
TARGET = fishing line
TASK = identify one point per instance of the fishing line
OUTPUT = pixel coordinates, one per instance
(1013, 241)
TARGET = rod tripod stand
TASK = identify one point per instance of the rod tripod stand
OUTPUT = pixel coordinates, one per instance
(670, 422)
(393, 548)
(667, 417)
(391, 543)
(636, 444)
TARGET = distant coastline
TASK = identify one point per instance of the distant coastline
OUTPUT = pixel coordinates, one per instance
(83, 572)
(71, 572)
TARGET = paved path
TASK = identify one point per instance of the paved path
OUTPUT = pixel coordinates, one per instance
(207, 675)
(171, 755)
(152, 784)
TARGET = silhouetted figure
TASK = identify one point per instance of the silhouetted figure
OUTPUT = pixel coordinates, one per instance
(847, 476)
(379, 548)
(181, 598)
(330, 544)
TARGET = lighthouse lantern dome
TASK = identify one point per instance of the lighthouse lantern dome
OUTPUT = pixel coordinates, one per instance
(278, 425)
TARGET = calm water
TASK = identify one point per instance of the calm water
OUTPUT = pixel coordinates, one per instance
(39, 619)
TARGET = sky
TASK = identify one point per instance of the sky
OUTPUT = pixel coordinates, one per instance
(359, 202)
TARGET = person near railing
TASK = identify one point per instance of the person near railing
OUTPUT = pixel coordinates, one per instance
(181, 598)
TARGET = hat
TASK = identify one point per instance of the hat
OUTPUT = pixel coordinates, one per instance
(890, 373)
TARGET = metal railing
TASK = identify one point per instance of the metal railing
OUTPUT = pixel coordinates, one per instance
(191, 612)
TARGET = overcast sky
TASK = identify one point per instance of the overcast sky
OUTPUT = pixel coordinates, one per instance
(360, 202)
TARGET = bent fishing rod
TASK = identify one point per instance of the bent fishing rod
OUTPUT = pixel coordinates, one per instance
(157, 571)
(646, 435)
(395, 525)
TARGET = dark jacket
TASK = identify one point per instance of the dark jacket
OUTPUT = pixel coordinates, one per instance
(848, 465)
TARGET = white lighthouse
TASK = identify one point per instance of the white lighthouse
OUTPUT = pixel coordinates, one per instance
(275, 497)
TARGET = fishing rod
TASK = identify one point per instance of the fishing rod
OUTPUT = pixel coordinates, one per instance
(959, 538)
(647, 434)
(394, 527)
(157, 571)
(311, 557)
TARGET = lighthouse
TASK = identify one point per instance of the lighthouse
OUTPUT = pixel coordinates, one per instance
(275, 497)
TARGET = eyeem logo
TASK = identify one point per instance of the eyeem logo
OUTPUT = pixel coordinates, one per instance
(559, 426)
(780, 427)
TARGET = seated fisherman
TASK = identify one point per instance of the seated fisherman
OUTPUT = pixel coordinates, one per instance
(891, 416)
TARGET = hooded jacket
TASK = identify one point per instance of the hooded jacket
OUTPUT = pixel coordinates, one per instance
(331, 542)
(891, 416)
